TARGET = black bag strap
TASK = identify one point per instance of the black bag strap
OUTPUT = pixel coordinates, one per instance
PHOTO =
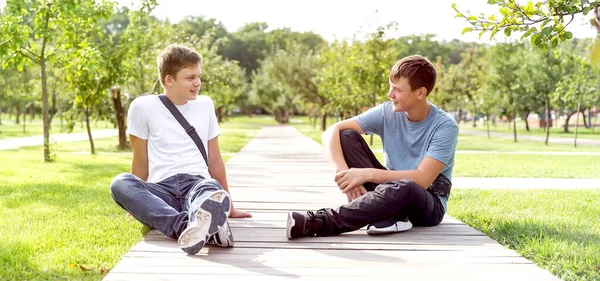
(189, 129)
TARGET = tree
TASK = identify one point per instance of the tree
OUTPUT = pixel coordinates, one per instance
(29, 28)
(542, 21)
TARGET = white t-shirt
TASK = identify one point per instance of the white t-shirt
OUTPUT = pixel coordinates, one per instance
(170, 149)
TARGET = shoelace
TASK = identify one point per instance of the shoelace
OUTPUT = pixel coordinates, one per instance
(311, 223)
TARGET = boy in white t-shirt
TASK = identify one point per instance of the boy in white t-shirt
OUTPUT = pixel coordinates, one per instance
(171, 188)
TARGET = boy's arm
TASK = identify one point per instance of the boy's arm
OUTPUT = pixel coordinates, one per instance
(139, 163)
(332, 145)
(439, 153)
(333, 151)
(216, 169)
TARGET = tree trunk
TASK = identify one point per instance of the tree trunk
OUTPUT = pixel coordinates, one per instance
(548, 120)
(567, 121)
(527, 122)
(45, 94)
(459, 116)
(324, 121)
(515, 123)
(589, 117)
(89, 130)
(53, 107)
(18, 115)
(0, 115)
(31, 112)
(585, 123)
(474, 121)
(219, 112)
(577, 119)
(120, 115)
(487, 122)
(342, 115)
(24, 120)
(595, 122)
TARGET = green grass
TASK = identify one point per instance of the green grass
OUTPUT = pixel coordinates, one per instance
(9, 129)
(59, 221)
(556, 229)
(555, 132)
(526, 166)
(499, 164)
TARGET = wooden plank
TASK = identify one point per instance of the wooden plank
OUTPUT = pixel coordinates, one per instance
(279, 171)
(171, 246)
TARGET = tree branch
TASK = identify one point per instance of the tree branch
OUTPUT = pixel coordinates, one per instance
(34, 58)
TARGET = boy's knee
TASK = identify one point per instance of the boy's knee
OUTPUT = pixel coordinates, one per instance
(122, 182)
(398, 188)
(349, 135)
(209, 183)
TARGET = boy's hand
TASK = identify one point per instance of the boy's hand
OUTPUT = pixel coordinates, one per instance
(356, 192)
(235, 213)
(351, 178)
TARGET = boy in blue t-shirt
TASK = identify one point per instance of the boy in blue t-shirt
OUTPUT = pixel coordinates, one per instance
(419, 141)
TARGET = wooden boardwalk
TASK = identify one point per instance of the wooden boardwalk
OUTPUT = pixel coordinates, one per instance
(281, 170)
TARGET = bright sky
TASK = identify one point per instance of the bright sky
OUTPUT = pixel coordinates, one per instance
(341, 19)
(337, 19)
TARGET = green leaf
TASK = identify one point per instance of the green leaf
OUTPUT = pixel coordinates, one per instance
(507, 31)
(504, 11)
(526, 34)
(494, 33)
(472, 18)
(467, 29)
(491, 2)
(568, 35)
(536, 40)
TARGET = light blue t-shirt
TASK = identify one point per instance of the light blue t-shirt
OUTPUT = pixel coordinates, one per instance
(405, 143)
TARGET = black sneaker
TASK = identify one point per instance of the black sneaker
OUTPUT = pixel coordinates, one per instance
(300, 225)
(390, 225)
(223, 237)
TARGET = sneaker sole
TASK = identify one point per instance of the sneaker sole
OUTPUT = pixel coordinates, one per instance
(391, 229)
(211, 215)
(290, 223)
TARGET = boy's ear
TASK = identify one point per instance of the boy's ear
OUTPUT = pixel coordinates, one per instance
(168, 80)
(422, 92)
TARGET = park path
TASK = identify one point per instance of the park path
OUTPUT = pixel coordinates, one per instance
(281, 170)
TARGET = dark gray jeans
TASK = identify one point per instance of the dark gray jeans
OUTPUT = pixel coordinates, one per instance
(163, 205)
(399, 198)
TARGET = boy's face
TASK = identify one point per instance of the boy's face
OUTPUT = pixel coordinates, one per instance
(186, 83)
(402, 97)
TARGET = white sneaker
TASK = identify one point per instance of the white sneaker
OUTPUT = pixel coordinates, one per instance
(208, 213)
(389, 226)
(223, 237)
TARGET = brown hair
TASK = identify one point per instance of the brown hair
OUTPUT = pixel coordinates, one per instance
(174, 58)
(417, 70)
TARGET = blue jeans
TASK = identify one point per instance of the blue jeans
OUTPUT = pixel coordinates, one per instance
(164, 205)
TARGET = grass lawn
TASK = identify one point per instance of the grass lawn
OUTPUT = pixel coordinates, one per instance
(555, 132)
(556, 229)
(59, 221)
(497, 164)
(35, 127)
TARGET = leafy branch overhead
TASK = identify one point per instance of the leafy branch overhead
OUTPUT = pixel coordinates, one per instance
(544, 22)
